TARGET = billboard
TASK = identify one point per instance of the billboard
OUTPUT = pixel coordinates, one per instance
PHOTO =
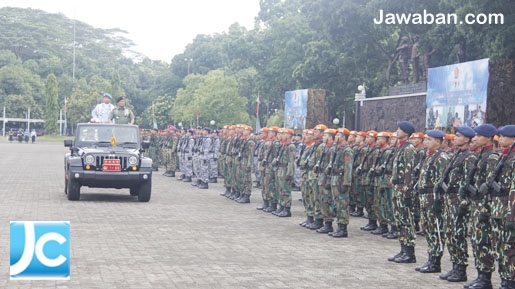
(457, 94)
(295, 109)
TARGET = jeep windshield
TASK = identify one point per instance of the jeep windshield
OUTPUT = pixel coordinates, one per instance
(99, 135)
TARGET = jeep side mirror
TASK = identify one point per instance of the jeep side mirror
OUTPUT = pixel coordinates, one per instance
(68, 143)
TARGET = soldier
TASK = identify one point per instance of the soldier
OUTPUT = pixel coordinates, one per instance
(205, 156)
(246, 165)
(121, 114)
(356, 199)
(258, 138)
(431, 199)
(388, 188)
(269, 184)
(324, 196)
(263, 154)
(196, 158)
(497, 188)
(341, 180)
(299, 146)
(285, 173)
(376, 172)
(236, 173)
(188, 156)
(403, 162)
(304, 184)
(417, 139)
(153, 150)
(367, 181)
(227, 167)
(213, 156)
(480, 207)
(313, 187)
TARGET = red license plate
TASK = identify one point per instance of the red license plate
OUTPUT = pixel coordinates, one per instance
(111, 165)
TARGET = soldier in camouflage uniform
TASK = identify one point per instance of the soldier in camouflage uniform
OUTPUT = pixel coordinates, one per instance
(368, 181)
(324, 196)
(259, 139)
(263, 154)
(341, 180)
(403, 163)
(153, 151)
(356, 199)
(304, 184)
(299, 147)
(188, 156)
(285, 172)
(416, 139)
(227, 167)
(431, 199)
(386, 184)
(213, 156)
(313, 186)
(455, 209)
(236, 173)
(270, 170)
(205, 157)
(222, 152)
(480, 208)
(246, 164)
(498, 187)
(377, 171)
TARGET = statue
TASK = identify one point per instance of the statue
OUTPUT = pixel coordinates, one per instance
(415, 55)
(426, 61)
(404, 50)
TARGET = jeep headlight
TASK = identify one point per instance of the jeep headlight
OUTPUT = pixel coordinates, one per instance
(89, 159)
(133, 160)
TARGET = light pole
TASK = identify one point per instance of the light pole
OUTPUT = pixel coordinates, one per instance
(358, 99)
(188, 61)
(212, 123)
(336, 121)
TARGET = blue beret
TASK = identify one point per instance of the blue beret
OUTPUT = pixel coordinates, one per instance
(435, 133)
(486, 129)
(507, 130)
(466, 131)
(108, 95)
(406, 127)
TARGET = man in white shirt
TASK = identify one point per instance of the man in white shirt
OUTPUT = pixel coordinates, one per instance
(101, 112)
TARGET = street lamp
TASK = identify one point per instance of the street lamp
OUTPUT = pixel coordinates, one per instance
(188, 60)
(212, 123)
(336, 121)
(358, 99)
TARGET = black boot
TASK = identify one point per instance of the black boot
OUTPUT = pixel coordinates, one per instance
(467, 285)
(271, 208)
(213, 180)
(235, 196)
(433, 266)
(285, 213)
(166, 174)
(226, 193)
(484, 281)
(358, 212)
(341, 232)
(308, 222)
(203, 185)
(181, 177)
(425, 264)
(459, 275)
(509, 284)
(328, 227)
(280, 209)
(172, 174)
(352, 209)
(393, 229)
(258, 183)
(393, 234)
(372, 225)
(408, 256)
(244, 199)
(317, 224)
(448, 274)
(196, 183)
(187, 179)
(264, 206)
(392, 258)
(382, 229)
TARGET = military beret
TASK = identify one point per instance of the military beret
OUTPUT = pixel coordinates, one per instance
(466, 131)
(449, 136)
(330, 131)
(264, 129)
(507, 130)
(372, 133)
(119, 99)
(273, 128)
(289, 131)
(406, 127)
(207, 129)
(486, 129)
(344, 131)
(108, 95)
(435, 133)
(321, 127)
(353, 132)
(417, 135)
(384, 134)
(362, 133)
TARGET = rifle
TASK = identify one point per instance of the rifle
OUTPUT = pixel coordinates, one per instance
(492, 181)
(317, 166)
(383, 166)
(452, 163)
(469, 187)
(376, 161)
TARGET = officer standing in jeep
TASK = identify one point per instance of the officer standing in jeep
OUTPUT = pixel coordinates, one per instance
(121, 114)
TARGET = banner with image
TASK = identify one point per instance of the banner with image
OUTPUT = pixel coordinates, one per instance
(295, 109)
(456, 95)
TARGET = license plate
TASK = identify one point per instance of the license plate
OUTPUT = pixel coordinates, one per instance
(111, 165)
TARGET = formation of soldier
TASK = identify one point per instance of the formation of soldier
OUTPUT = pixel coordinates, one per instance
(433, 184)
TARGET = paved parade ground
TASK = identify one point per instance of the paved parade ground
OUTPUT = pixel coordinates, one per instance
(191, 238)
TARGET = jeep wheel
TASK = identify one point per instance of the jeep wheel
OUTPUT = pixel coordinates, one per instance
(134, 191)
(144, 191)
(73, 190)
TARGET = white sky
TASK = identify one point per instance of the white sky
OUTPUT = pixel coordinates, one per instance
(160, 28)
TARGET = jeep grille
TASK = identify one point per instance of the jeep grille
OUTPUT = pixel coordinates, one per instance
(100, 160)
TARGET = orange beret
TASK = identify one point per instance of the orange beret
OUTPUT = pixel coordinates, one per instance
(362, 133)
(372, 133)
(384, 134)
(353, 132)
(273, 128)
(264, 129)
(344, 131)
(321, 127)
(449, 136)
(418, 135)
(331, 131)
(247, 127)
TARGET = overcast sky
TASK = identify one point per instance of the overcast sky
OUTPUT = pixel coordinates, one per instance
(160, 28)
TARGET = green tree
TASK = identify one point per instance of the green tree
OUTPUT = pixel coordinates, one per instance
(51, 106)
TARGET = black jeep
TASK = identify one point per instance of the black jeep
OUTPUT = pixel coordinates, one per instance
(107, 156)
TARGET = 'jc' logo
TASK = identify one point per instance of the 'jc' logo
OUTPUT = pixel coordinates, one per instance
(48, 242)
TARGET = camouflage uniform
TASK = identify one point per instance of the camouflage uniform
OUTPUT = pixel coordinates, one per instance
(386, 190)
(304, 182)
(357, 198)
(324, 196)
(313, 183)
(381, 208)
(368, 186)
(246, 165)
(341, 181)
(284, 176)
(213, 158)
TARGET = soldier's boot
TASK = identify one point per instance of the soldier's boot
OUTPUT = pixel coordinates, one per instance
(450, 273)
(341, 232)
(392, 258)
(372, 225)
(394, 234)
(327, 228)
(166, 174)
(264, 206)
(467, 285)
(484, 281)
(203, 185)
(227, 192)
(279, 210)
(196, 183)
(459, 275)
(235, 196)
(408, 256)
(352, 209)
(172, 174)
(244, 199)
(308, 222)
(285, 213)
(187, 179)
(258, 183)
(213, 180)
(434, 266)
(271, 208)
(317, 224)
(180, 177)
(358, 212)
(382, 229)
(508, 284)
(393, 229)
(425, 264)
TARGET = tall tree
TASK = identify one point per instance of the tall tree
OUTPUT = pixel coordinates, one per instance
(51, 106)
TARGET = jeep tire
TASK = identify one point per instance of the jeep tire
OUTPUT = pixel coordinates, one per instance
(145, 190)
(134, 191)
(73, 190)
